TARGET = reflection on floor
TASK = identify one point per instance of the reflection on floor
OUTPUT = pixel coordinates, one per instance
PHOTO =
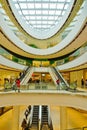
(74, 118)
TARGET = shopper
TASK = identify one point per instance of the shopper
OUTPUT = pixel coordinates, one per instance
(26, 114)
(18, 84)
(24, 124)
(58, 81)
(29, 108)
(82, 83)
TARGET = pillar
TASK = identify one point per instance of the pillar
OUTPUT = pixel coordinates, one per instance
(15, 117)
(63, 118)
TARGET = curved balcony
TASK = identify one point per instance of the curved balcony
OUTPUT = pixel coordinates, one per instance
(70, 58)
(77, 100)
(51, 50)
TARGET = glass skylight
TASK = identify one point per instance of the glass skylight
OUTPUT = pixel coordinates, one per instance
(42, 14)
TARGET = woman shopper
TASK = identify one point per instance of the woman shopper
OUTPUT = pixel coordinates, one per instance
(18, 84)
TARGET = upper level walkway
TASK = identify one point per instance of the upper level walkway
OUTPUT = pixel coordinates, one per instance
(76, 98)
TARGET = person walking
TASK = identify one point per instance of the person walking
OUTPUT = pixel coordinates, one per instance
(18, 84)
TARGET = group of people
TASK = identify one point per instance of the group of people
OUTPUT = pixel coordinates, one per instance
(27, 112)
(24, 124)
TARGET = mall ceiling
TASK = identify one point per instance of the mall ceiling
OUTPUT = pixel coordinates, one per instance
(55, 41)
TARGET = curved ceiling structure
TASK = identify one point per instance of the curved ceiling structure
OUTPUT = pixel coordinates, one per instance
(53, 39)
(75, 37)
(80, 40)
(49, 51)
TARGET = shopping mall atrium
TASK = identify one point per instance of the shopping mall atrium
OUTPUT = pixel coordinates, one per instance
(43, 64)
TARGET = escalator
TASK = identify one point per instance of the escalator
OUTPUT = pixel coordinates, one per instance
(63, 84)
(35, 118)
(40, 118)
(22, 78)
(27, 76)
(44, 118)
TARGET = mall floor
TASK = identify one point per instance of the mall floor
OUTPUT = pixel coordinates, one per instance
(75, 118)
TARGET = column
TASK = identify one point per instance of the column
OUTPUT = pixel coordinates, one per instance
(63, 118)
(15, 117)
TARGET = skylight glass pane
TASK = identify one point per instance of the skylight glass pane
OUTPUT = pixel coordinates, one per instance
(37, 5)
(20, 12)
(50, 22)
(68, 0)
(45, 17)
(44, 11)
(32, 12)
(32, 17)
(51, 18)
(58, 12)
(33, 22)
(39, 22)
(60, 6)
(51, 12)
(17, 6)
(27, 17)
(45, 5)
(23, 6)
(30, 5)
(38, 12)
(52, 6)
(66, 6)
(62, 0)
(25, 12)
(45, 22)
(63, 12)
(21, 0)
